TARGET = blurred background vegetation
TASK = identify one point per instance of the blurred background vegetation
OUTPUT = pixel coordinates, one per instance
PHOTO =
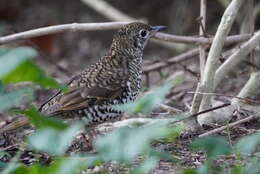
(155, 147)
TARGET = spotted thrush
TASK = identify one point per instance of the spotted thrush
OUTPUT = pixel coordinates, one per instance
(114, 79)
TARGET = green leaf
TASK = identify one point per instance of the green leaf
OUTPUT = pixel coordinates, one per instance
(28, 71)
(146, 167)
(253, 168)
(248, 145)
(238, 170)
(9, 60)
(213, 146)
(189, 171)
(60, 166)
(4, 50)
(205, 168)
(151, 100)
(2, 87)
(41, 121)
(53, 141)
(174, 132)
(124, 144)
(14, 98)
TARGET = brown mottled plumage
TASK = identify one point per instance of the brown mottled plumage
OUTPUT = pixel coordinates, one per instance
(114, 79)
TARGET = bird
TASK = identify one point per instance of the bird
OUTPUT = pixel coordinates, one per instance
(114, 79)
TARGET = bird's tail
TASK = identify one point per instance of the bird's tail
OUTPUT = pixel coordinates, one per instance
(15, 125)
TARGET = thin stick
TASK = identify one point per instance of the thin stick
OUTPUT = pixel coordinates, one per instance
(107, 10)
(111, 26)
(255, 116)
(61, 28)
(182, 57)
(248, 100)
(195, 106)
(200, 40)
(203, 8)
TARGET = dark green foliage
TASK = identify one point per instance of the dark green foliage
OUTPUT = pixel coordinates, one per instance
(213, 146)
(60, 166)
(53, 141)
(249, 144)
(16, 66)
(10, 59)
(41, 121)
(14, 98)
(146, 167)
(125, 144)
(28, 71)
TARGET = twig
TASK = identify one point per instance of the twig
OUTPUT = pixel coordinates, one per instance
(209, 110)
(245, 99)
(61, 28)
(216, 49)
(196, 99)
(170, 108)
(200, 40)
(111, 26)
(186, 69)
(236, 58)
(107, 10)
(199, 20)
(170, 61)
(203, 8)
(255, 116)
(202, 51)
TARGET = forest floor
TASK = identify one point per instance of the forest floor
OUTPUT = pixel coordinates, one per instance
(180, 150)
(63, 55)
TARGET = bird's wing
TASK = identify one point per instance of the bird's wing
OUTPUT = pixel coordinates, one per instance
(93, 86)
(85, 97)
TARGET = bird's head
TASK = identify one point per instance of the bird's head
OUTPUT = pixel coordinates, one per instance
(133, 37)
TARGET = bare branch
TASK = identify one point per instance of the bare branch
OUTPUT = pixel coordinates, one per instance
(200, 40)
(170, 61)
(255, 116)
(197, 98)
(107, 10)
(216, 49)
(236, 58)
(242, 101)
(203, 7)
(111, 26)
(61, 28)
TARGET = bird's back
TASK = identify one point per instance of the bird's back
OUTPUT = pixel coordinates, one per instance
(112, 80)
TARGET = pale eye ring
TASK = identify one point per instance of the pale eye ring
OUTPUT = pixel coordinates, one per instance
(144, 33)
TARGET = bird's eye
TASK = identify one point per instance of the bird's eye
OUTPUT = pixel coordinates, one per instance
(143, 33)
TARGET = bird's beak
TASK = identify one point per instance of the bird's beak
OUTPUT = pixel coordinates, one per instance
(155, 29)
